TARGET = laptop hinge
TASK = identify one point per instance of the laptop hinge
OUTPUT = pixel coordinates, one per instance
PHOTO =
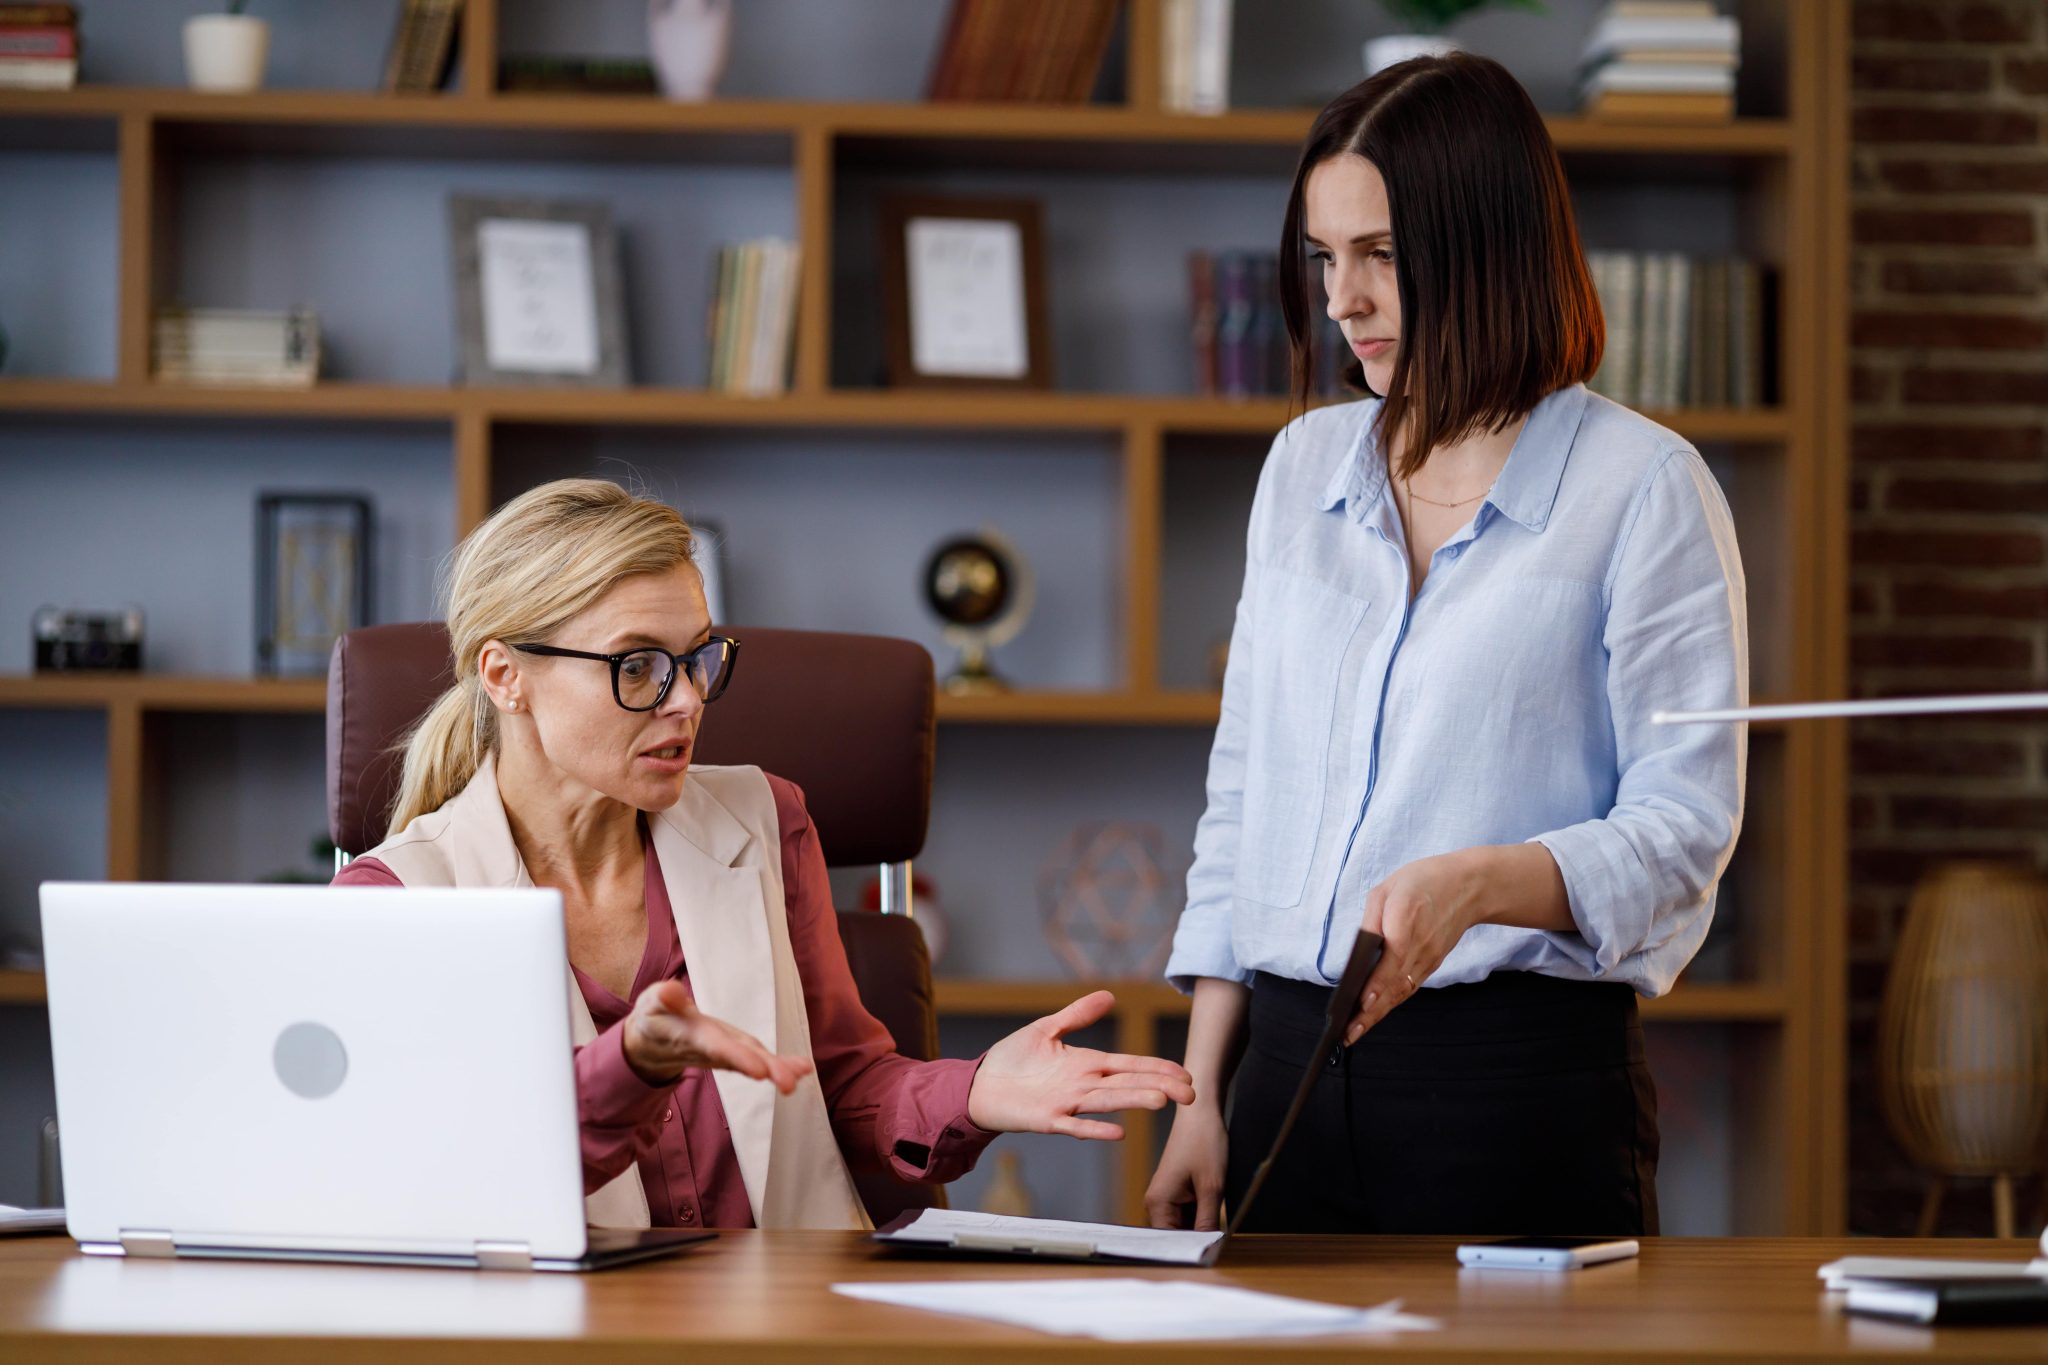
(135, 1243)
(504, 1256)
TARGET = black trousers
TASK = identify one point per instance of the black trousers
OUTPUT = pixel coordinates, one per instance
(1517, 1105)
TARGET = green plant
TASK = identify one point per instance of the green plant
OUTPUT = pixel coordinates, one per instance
(1434, 16)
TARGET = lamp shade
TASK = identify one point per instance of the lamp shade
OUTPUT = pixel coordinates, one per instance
(1963, 1031)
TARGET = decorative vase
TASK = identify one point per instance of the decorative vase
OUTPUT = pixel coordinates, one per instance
(689, 41)
(226, 52)
(1963, 1030)
(1393, 48)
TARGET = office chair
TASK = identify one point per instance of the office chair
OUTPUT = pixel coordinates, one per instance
(848, 718)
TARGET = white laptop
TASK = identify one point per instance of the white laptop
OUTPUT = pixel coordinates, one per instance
(307, 1072)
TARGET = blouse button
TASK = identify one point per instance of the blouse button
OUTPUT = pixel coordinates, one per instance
(668, 1115)
(686, 1214)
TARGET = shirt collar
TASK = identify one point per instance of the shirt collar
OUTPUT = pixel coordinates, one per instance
(1528, 481)
(1361, 476)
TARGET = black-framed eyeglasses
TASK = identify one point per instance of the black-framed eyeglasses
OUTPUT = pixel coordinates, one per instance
(641, 678)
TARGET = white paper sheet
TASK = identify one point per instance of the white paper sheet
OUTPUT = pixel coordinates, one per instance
(995, 1232)
(1138, 1310)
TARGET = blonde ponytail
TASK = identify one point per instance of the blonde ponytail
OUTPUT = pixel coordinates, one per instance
(538, 561)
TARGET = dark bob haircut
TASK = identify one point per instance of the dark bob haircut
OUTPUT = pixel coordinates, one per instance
(1497, 307)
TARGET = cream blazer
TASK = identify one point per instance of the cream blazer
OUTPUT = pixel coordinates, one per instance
(720, 854)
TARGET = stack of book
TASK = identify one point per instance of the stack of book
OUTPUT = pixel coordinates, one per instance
(230, 346)
(38, 47)
(753, 317)
(422, 46)
(1685, 331)
(1661, 59)
(1035, 51)
(1194, 56)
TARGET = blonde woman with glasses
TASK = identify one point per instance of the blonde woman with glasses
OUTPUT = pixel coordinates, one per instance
(560, 757)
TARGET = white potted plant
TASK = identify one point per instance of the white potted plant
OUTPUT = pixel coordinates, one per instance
(226, 52)
(1423, 28)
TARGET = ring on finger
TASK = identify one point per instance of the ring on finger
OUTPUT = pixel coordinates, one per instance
(1410, 979)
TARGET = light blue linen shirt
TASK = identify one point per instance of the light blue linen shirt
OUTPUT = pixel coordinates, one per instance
(1509, 701)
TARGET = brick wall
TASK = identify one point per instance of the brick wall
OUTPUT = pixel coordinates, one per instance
(1950, 489)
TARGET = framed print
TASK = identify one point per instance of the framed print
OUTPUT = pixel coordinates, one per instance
(964, 292)
(537, 292)
(312, 577)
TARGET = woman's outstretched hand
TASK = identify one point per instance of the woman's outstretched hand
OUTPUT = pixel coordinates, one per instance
(1033, 1082)
(666, 1034)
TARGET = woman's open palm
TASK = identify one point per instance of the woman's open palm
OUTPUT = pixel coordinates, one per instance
(1035, 1082)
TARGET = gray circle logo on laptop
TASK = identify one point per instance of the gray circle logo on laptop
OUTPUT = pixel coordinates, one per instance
(310, 1060)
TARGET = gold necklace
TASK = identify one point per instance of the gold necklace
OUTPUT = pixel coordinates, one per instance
(1414, 496)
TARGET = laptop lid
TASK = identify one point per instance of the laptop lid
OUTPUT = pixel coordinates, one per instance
(314, 1070)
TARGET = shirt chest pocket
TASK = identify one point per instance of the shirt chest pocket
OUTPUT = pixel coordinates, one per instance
(1301, 632)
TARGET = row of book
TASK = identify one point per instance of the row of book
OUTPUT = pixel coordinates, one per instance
(38, 47)
(1661, 59)
(1033, 51)
(236, 346)
(1194, 56)
(753, 316)
(1239, 339)
(1685, 331)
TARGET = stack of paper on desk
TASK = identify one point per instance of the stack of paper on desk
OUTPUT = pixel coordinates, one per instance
(989, 1232)
(1845, 1273)
(1138, 1310)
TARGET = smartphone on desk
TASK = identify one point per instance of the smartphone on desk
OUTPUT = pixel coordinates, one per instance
(1545, 1253)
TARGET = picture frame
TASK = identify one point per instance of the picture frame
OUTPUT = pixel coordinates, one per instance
(963, 285)
(538, 295)
(314, 553)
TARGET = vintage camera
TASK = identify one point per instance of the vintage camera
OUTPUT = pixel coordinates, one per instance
(71, 641)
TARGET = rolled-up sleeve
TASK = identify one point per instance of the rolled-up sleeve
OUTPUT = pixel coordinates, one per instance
(889, 1112)
(1676, 637)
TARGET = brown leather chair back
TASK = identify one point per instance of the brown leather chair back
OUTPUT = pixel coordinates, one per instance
(848, 718)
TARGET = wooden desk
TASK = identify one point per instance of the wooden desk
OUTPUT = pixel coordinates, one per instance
(763, 1297)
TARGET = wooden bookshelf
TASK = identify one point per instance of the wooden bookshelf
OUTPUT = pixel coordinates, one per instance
(1787, 175)
(650, 406)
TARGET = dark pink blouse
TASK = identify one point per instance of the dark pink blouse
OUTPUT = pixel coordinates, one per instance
(887, 1111)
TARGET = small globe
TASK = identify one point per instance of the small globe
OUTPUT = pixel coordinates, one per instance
(967, 582)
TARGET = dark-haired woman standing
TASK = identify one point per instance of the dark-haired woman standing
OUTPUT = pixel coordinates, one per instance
(1463, 600)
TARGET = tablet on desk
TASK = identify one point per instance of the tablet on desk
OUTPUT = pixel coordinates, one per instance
(987, 1234)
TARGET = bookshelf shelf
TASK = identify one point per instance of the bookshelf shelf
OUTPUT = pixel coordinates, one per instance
(252, 696)
(1002, 999)
(19, 987)
(1704, 1003)
(1772, 187)
(258, 696)
(687, 407)
(1079, 125)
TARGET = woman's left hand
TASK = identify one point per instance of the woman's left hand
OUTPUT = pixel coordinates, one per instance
(1034, 1082)
(1422, 910)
